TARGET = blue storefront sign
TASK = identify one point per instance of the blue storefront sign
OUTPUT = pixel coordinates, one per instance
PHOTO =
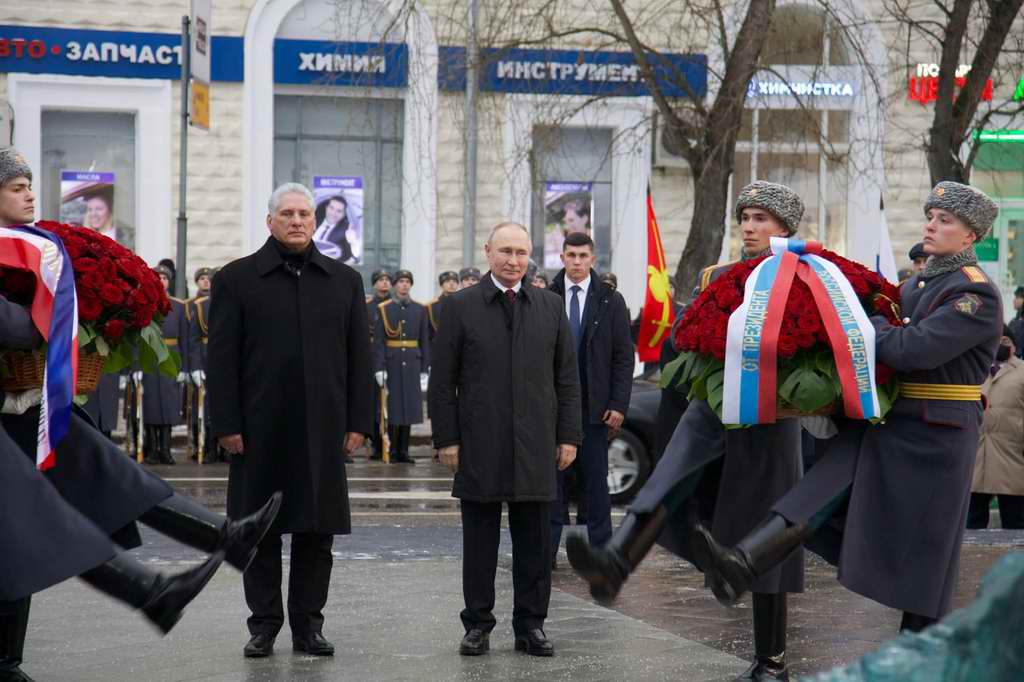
(128, 54)
(574, 72)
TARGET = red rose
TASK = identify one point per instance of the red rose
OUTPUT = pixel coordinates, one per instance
(89, 309)
(787, 346)
(84, 265)
(114, 329)
(111, 294)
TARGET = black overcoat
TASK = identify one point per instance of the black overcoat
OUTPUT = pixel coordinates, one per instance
(162, 395)
(401, 343)
(505, 387)
(290, 370)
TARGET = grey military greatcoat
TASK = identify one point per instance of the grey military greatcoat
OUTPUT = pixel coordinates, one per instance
(162, 395)
(401, 347)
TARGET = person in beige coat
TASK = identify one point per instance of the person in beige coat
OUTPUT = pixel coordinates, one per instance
(999, 468)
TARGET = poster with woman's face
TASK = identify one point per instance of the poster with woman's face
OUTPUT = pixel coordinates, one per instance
(568, 208)
(87, 198)
(339, 217)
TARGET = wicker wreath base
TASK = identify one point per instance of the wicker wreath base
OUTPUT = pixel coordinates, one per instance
(787, 412)
(25, 371)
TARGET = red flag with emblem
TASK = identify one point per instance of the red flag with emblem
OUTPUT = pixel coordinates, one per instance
(658, 313)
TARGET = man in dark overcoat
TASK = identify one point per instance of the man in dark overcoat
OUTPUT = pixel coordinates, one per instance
(505, 411)
(706, 468)
(290, 381)
(380, 280)
(599, 322)
(401, 359)
(162, 396)
(908, 478)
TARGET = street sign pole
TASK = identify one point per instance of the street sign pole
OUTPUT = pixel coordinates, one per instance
(186, 69)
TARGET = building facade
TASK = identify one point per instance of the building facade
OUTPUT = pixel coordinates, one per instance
(363, 102)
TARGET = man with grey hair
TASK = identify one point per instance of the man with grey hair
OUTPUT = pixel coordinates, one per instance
(290, 395)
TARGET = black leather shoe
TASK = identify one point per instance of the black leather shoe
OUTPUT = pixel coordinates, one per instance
(349, 460)
(169, 596)
(765, 669)
(259, 645)
(476, 642)
(535, 643)
(313, 644)
(15, 674)
(239, 538)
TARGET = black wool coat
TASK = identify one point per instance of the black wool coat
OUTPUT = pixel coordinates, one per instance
(290, 370)
(504, 386)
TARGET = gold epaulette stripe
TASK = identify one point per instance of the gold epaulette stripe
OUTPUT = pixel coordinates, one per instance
(203, 324)
(388, 329)
(975, 274)
(966, 392)
(705, 274)
(430, 313)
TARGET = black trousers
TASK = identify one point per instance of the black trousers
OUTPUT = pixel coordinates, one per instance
(592, 465)
(529, 524)
(1011, 510)
(308, 583)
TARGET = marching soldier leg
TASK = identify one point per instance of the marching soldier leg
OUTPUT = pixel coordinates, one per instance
(913, 622)
(698, 440)
(185, 520)
(13, 625)
(769, 639)
(161, 598)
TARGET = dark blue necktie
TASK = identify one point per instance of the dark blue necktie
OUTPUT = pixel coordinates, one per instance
(574, 313)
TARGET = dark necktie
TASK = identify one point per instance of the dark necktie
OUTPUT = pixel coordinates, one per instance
(510, 294)
(574, 313)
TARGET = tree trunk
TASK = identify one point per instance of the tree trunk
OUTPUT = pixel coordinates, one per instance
(704, 244)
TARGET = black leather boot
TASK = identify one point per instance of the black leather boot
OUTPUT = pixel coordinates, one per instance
(606, 568)
(151, 445)
(731, 570)
(913, 622)
(161, 598)
(769, 639)
(165, 444)
(13, 624)
(192, 524)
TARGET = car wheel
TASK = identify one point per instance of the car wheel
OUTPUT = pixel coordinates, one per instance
(629, 465)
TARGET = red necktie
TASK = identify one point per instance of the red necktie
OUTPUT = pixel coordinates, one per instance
(510, 294)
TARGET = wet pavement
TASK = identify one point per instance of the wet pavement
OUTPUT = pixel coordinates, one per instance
(396, 594)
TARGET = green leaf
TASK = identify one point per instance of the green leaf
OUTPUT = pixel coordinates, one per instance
(171, 365)
(101, 346)
(85, 335)
(153, 337)
(812, 393)
(120, 357)
(671, 370)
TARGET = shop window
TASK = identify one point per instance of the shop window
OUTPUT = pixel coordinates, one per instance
(88, 171)
(352, 148)
(572, 169)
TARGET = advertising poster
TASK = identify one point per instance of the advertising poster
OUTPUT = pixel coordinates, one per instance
(87, 198)
(339, 217)
(568, 207)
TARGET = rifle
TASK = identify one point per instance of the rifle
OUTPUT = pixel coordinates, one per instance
(139, 422)
(186, 396)
(385, 442)
(130, 427)
(201, 409)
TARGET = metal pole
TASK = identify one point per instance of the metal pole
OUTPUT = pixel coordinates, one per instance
(472, 82)
(186, 73)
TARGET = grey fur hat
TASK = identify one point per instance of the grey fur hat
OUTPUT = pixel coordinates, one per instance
(965, 202)
(13, 165)
(779, 200)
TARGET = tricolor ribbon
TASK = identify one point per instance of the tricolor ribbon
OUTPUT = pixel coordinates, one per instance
(749, 392)
(54, 311)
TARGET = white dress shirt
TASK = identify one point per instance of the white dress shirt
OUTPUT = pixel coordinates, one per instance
(582, 295)
(503, 288)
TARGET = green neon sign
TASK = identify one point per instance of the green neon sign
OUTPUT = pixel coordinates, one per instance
(998, 135)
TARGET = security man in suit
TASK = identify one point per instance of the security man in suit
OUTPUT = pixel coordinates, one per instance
(380, 280)
(449, 281)
(907, 479)
(402, 359)
(706, 468)
(468, 277)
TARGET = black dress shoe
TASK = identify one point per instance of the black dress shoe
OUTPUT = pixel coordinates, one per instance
(259, 645)
(476, 642)
(765, 669)
(535, 643)
(313, 644)
(239, 538)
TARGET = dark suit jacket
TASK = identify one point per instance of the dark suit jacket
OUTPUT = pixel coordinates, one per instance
(504, 387)
(606, 349)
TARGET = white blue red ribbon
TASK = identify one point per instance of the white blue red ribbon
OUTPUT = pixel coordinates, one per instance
(54, 311)
(749, 392)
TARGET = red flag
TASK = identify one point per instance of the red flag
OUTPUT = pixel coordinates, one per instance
(658, 313)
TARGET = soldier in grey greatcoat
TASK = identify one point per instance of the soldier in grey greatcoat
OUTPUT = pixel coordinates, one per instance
(161, 395)
(908, 478)
(706, 469)
(401, 358)
(380, 280)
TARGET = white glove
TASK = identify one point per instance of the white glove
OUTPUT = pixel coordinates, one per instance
(424, 380)
(381, 377)
(198, 377)
(17, 403)
(137, 377)
(182, 377)
(122, 382)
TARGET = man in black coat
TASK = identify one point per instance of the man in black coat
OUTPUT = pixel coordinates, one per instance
(599, 323)
(505, 410)
(290, 384)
